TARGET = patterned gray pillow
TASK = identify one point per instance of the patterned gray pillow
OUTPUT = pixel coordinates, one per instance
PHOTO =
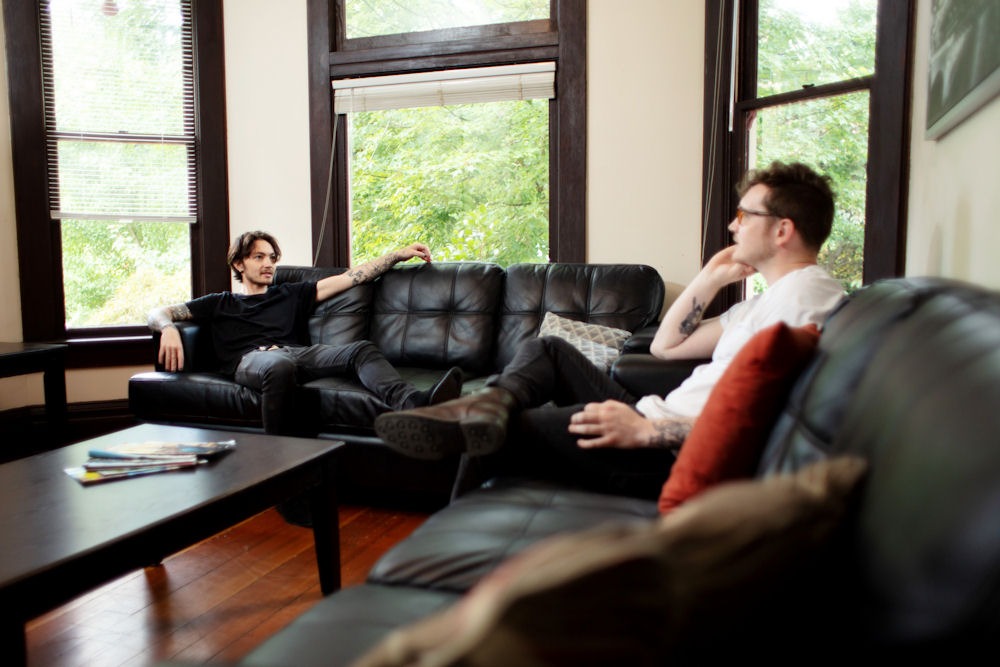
(600, 344)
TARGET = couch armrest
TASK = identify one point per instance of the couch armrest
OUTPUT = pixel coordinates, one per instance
(199, 352)
(644, 374)
(640, 340)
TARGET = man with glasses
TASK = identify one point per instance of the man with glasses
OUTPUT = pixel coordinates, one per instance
(784, 216)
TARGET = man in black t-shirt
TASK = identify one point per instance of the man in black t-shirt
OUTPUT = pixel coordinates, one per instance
(261, 339)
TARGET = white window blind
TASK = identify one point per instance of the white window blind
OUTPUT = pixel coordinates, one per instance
(459, 86)
(119, 109)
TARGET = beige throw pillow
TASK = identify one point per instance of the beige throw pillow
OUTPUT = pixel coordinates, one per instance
(673, 590)
(600, 344)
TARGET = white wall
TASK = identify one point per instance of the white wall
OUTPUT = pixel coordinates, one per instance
(645, 70)
(267, 113)
(954, 200)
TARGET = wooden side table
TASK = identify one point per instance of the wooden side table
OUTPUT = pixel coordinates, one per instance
(48, 359)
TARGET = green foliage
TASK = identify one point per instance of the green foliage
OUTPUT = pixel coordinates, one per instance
(366, 18)
(830, 134)
(471, 181)
(115, 272)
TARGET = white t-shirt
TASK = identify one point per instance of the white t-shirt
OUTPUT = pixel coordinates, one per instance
(798, 298)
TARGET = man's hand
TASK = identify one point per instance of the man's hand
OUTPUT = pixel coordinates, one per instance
(721, 270)
(414, 250)
(332, 285)
(171, 355)
(612, 424)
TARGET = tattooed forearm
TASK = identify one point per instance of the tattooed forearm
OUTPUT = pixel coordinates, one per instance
(693, 318)
(373, 269)
(670, 433)
(166, 316)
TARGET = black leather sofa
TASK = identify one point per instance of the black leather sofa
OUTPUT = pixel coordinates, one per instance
(425, 318)
(907, 375)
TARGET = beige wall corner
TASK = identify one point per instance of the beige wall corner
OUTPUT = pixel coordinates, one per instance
(645, 84)
(267, 113)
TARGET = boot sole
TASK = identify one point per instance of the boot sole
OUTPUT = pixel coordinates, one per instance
(422, 437)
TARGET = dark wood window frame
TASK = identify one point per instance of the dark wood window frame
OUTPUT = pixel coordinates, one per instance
(38, 237)
(562, 38)
(888, 133)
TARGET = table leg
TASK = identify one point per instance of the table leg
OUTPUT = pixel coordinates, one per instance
(326, 529)
(13, 642)
(54, 380)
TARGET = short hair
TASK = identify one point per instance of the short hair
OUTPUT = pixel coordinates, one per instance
(242, 246)
(796, 192)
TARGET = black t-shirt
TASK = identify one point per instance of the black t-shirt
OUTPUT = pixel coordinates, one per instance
(241, 322)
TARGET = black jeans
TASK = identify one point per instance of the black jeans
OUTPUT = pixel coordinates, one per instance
(548, 370)
(277, 373)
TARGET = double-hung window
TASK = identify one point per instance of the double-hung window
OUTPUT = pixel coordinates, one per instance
(120, 135)
(822, 83)
(123, 102)
(461, 125)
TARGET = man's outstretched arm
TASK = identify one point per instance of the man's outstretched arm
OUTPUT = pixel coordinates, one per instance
(334, 285)
(171, 353)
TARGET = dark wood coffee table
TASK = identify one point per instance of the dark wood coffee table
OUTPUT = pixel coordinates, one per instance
(60, 539)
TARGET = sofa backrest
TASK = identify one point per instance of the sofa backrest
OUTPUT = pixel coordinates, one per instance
(624, 296)
(338, 320)
(908, 376)
(430, 315)
(475, 314)
(805, 430)
(438, 315)
(926, 414)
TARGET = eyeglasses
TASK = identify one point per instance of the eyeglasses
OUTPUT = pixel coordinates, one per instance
(740, 212)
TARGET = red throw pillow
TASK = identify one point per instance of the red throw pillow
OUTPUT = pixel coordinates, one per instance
(728, 438)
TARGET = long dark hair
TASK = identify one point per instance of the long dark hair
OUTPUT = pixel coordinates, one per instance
(242, 246)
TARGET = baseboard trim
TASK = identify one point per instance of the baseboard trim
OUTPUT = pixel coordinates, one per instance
(26, 431)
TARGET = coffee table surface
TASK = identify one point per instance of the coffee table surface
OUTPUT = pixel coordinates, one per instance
(48, 519)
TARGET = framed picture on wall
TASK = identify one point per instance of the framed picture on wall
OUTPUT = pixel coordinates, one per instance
(964, 72)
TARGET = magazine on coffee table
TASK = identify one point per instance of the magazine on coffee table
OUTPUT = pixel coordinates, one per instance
(132, 459)
(163, 450)
(86, 475)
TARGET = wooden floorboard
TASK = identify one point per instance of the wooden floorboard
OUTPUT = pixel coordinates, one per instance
(214, 602)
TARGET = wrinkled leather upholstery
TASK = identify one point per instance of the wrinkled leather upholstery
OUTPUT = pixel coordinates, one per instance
(425, 318)
(907, 375)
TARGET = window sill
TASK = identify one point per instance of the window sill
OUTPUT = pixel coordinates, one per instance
(105, 351)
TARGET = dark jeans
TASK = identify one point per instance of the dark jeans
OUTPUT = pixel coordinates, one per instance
(277, 374)
(548, 370)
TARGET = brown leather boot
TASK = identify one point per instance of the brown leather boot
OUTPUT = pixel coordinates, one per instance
(475, 424)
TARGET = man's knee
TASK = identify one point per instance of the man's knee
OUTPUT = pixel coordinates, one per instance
(271, 368)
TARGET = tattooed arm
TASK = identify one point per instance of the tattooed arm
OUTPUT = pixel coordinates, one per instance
(334, 285)
(682, 333)
(615, 424)
(171, 354)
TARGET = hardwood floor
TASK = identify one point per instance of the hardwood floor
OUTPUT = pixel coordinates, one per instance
(214, 602)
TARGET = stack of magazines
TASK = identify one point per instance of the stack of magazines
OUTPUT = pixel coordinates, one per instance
(132, 459)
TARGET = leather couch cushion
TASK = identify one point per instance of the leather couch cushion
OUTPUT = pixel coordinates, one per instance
(623, 296)
(458, 545)
(713, 579)
(926, 414)
(182, 398)
(341, 628)
(438, 315)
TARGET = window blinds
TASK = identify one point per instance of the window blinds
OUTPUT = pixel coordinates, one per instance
(459, 86)
(119, 110)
